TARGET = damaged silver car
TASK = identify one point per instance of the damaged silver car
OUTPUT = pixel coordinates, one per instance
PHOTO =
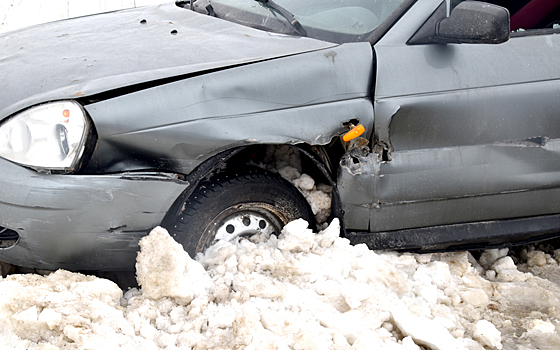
(436, 123)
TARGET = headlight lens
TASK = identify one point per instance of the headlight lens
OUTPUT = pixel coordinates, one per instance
(47, 137)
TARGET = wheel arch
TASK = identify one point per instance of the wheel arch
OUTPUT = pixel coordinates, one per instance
(315, 159)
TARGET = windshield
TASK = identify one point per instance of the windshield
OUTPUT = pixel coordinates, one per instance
(330, 20)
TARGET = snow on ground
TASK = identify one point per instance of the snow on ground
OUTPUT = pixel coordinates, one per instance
(297, 291)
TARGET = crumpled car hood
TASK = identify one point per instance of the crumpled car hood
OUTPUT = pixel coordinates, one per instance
(88, 55)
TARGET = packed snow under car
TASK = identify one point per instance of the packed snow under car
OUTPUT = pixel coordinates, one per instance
(429, 125)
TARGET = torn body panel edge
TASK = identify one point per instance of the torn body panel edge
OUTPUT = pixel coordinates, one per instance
(303, 98)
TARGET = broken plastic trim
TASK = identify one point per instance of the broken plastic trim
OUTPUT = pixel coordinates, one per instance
(151, 176)
(8, 238)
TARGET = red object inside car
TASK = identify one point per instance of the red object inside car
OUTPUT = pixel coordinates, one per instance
(533, 13)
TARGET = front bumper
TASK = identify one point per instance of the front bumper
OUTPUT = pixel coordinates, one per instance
(81, 222)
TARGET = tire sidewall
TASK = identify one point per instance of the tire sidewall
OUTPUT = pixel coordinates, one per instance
(213, 197)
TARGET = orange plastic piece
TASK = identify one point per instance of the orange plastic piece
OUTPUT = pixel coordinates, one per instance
(356, 131)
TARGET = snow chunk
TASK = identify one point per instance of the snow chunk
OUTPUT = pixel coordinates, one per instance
(409, 344)
(63, 308)
(507, 271)
(476, 297)
(487, 334)
(488, 257)
(540, 327)
(164, 269)
(304, 182)
(286, 161)
(289, 173)
(296, 237)
(423, 330)
(536, 258)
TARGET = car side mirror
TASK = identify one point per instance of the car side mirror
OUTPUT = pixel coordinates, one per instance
(471, 22)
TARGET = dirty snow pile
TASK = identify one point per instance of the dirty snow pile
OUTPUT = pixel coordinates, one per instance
(300, 290)
(286, 161)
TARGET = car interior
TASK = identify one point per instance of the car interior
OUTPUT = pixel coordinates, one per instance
(531, 14)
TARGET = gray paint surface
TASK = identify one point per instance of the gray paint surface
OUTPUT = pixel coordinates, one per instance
(458, 133)
(15, 14)
(298, 99)
(84, 56)
(473, 130)
(277, 89)
(81, 222)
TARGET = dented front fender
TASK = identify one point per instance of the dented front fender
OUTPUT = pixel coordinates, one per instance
(304, 98)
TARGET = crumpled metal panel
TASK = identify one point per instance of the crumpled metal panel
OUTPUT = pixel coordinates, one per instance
(95, 221)
(467, 184)
(472, 131)
(357, 172)
(302, 98)
(88, 55)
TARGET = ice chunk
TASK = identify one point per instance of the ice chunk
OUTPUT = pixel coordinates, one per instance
(423, 330)
(487, 334)
(540, 327)
(476, 297)
(164, 269)
(289, 173)
(488, 257)
(409, 344)
(507, 271)
(536, 258)
(296, 237)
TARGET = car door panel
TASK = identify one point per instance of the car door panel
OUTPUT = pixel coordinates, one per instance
(472, 131)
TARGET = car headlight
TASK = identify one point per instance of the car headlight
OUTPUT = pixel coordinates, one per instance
(49, 137)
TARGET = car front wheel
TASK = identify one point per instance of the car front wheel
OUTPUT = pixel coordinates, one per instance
(237, 206)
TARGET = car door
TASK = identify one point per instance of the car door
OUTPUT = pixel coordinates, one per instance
(469, 132)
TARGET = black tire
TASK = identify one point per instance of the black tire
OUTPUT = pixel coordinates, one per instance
(240, 205)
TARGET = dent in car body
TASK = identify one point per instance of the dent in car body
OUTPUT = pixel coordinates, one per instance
(297, 91)
(445, 155)
(459, 145)
(302, 98)
(356, 177)
(84, 56)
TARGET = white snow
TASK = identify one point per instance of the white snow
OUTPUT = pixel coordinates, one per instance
(300, 290)
(286, 161)
(165, 270)
(487, 334)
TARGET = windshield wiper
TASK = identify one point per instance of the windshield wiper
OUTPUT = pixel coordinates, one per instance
(286, 14)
